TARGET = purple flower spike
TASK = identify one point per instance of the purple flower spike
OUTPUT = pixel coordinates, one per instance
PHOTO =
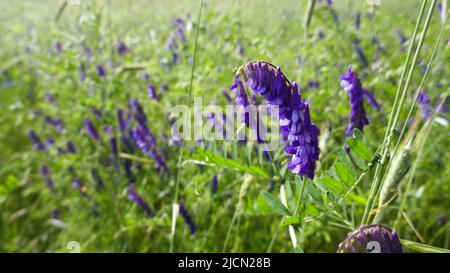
(352, 85)
(97, 178)
(71, 147)
(123, 123)
(90, 129)
(101, 71)
(424, 105)
(152, 92)
(160, 164)
(37, 144)
(373, 239)
(139, 138)
(295, 123)
(214, 184)
(187, 218)
(76, 183)
(357, 20)
(121, 47)
(113, 145)
(371, 99)
(135, 197)
(55, 214)
(241, 98)
(45, 171)
(303, 143)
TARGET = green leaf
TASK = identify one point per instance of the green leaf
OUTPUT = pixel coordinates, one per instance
(358, 134)
(344, 173)
(344, 158)
(311, 210)
(291, 220)
(359, 161)
(358, 147)
(423, 248)
(209, 157)
(274, 203)
(289, 196)
(298, 249)
(263, 208)
(332, 184)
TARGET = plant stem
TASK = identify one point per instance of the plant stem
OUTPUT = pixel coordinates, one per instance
(388, 134)
(408, 80)
(423, 80)
(180, 157)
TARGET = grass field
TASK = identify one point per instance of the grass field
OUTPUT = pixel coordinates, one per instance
(88, 92)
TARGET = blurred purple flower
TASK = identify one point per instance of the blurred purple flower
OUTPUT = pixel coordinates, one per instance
(135, 197)
(152, 92)
(97, 178)
(71, 147)
(101, 71)
(424, 104)
(214, 184)
(187, 218)
(37, 144)
(90, 129)
(371, 99)
(357, 20)
(352, 86)
(45, 171)
(121, 47)
(123, 123)
(55, 214)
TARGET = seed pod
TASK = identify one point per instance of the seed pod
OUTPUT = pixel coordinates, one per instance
(373, 239)
(399, 168)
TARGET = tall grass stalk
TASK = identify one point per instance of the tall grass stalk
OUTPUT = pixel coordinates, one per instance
(426, 131)
(411, 109)
(405, 89)
(397, 106)
(181, 153)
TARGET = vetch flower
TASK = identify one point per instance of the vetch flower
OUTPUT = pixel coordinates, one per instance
(424, 105)
(352, 86)
(71, 147)
(187, 218)
(121, 47)
(113, 145)
(362, 57)
(269, 82)
(152, 92)
(303, 143)
(357, 20)
(371, 238)
(135, 197)
(241, 98)
(55, 214)
(97, 178)
(101, 71)
(371, 99)
(37, 144)
(214, 184)
(123, 123)
(45, 171)
(90, 129)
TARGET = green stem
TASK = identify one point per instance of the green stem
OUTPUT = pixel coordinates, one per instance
(408, 80)
(181, 153)
(423, 80)
(388, 134)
